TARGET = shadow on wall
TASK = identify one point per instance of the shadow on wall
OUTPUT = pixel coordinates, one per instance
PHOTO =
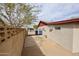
(31, 48)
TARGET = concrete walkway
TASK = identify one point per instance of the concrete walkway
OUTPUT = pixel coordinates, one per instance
(42, 46)
(50, 48)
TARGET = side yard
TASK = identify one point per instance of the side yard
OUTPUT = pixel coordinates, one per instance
(40, 46)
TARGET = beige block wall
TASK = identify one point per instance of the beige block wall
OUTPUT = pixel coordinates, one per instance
(13, 46)
(17, 44)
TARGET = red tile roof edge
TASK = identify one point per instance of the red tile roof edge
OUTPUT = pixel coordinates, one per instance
(64, 21)
(75, 20)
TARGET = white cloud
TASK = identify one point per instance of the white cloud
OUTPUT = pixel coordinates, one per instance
(59, 11)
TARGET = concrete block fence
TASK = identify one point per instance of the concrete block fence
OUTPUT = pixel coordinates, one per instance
(11, 40)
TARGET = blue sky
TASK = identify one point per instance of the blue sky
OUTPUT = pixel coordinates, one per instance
(58, 11)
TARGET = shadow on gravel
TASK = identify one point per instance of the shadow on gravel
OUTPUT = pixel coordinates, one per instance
(33, 50)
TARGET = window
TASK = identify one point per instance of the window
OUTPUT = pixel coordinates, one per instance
(50, 28)
(57, 28)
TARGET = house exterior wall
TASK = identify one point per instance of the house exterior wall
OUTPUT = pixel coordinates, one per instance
(67, 36)
(64, 36)
(76, 38)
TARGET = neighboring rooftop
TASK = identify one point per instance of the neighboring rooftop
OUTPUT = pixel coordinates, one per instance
(42, 23)
(74, 20)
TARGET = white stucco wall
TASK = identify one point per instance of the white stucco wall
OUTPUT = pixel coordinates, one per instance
(67, 36)
(64, 37)
(76, 38)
